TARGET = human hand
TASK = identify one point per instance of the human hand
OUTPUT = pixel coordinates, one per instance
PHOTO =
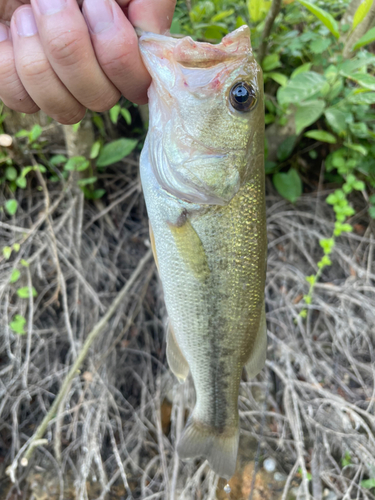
(61, 60)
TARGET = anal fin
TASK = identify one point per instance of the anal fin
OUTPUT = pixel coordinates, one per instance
(176, 361)
(257, 358)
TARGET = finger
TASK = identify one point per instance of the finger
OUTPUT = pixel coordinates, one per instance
(116, 47)
(12, 92)
(66, 42)
(36, 73)
(150, 15)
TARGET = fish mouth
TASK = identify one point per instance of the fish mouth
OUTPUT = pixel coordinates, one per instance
(192, 54)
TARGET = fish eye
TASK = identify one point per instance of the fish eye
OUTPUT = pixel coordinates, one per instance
(243, 97)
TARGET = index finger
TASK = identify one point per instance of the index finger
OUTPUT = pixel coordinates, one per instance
(116, 43)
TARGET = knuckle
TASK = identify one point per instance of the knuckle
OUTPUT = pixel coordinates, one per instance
(21, 103)
(114, 66)
(67, 48)
(72, 116)
(34, 69)
(7, 70)
(104, 103)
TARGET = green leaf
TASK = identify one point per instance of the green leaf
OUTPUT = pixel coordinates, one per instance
(320, 45)
(301, 87)
(24, 263)
(7, 252)
(307, 299)
(22, 133)
(336, 119)
(323, 16)
(35, 133)
(365, 39)
(347, 68)
(269, 166)
(286, 147)
(357, 147)
(362, 98)
(16, 247)
(115, 151)
(175, 27)
(240, 21)
(278, 78)
(271, 62)
(17, 325)
(258, 9)
(114, 113)
(301, 69)
(76, 126)
(10, 173)
(311, 279)
(321, 135)
(361, 12)
(15, 276)
(21, 182)
(78, 163)
(95, 150)
(11, 206)
(325, 260)
(58, 159)
(222, 15)
(359, 130)
(288, 185)
(88, 180)
(365, 80)
(368, 483)
(327, 244)
(371, 212)
(307, 113)
(24, 292)
(126, 115)
(215, 32)
(97, 193)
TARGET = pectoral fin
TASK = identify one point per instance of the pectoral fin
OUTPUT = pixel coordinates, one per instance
(176, 361)
(152, 240)
(190, 248)
(257, 358)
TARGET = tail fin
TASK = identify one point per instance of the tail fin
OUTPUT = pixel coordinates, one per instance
(220, 449)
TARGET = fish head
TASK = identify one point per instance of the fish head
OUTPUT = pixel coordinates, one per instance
(206, 115)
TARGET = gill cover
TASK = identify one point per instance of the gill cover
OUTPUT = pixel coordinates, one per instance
(198, 143)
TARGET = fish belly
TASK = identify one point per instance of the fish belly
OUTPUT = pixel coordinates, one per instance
(212, 266)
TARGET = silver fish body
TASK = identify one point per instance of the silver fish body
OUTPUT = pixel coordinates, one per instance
(203, 179)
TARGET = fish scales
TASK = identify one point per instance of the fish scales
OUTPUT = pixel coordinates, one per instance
(203, 179)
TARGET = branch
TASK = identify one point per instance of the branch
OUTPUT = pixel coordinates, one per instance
(270, 19)
(359, 31)
(98, 328)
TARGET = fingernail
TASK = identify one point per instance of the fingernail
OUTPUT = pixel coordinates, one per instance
(25, 22)
(51, 6)
(3, 33)
(98, 14)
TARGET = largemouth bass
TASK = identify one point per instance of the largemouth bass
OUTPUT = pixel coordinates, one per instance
(202, 173)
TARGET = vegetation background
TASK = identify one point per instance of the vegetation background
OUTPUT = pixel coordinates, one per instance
(82, 310)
